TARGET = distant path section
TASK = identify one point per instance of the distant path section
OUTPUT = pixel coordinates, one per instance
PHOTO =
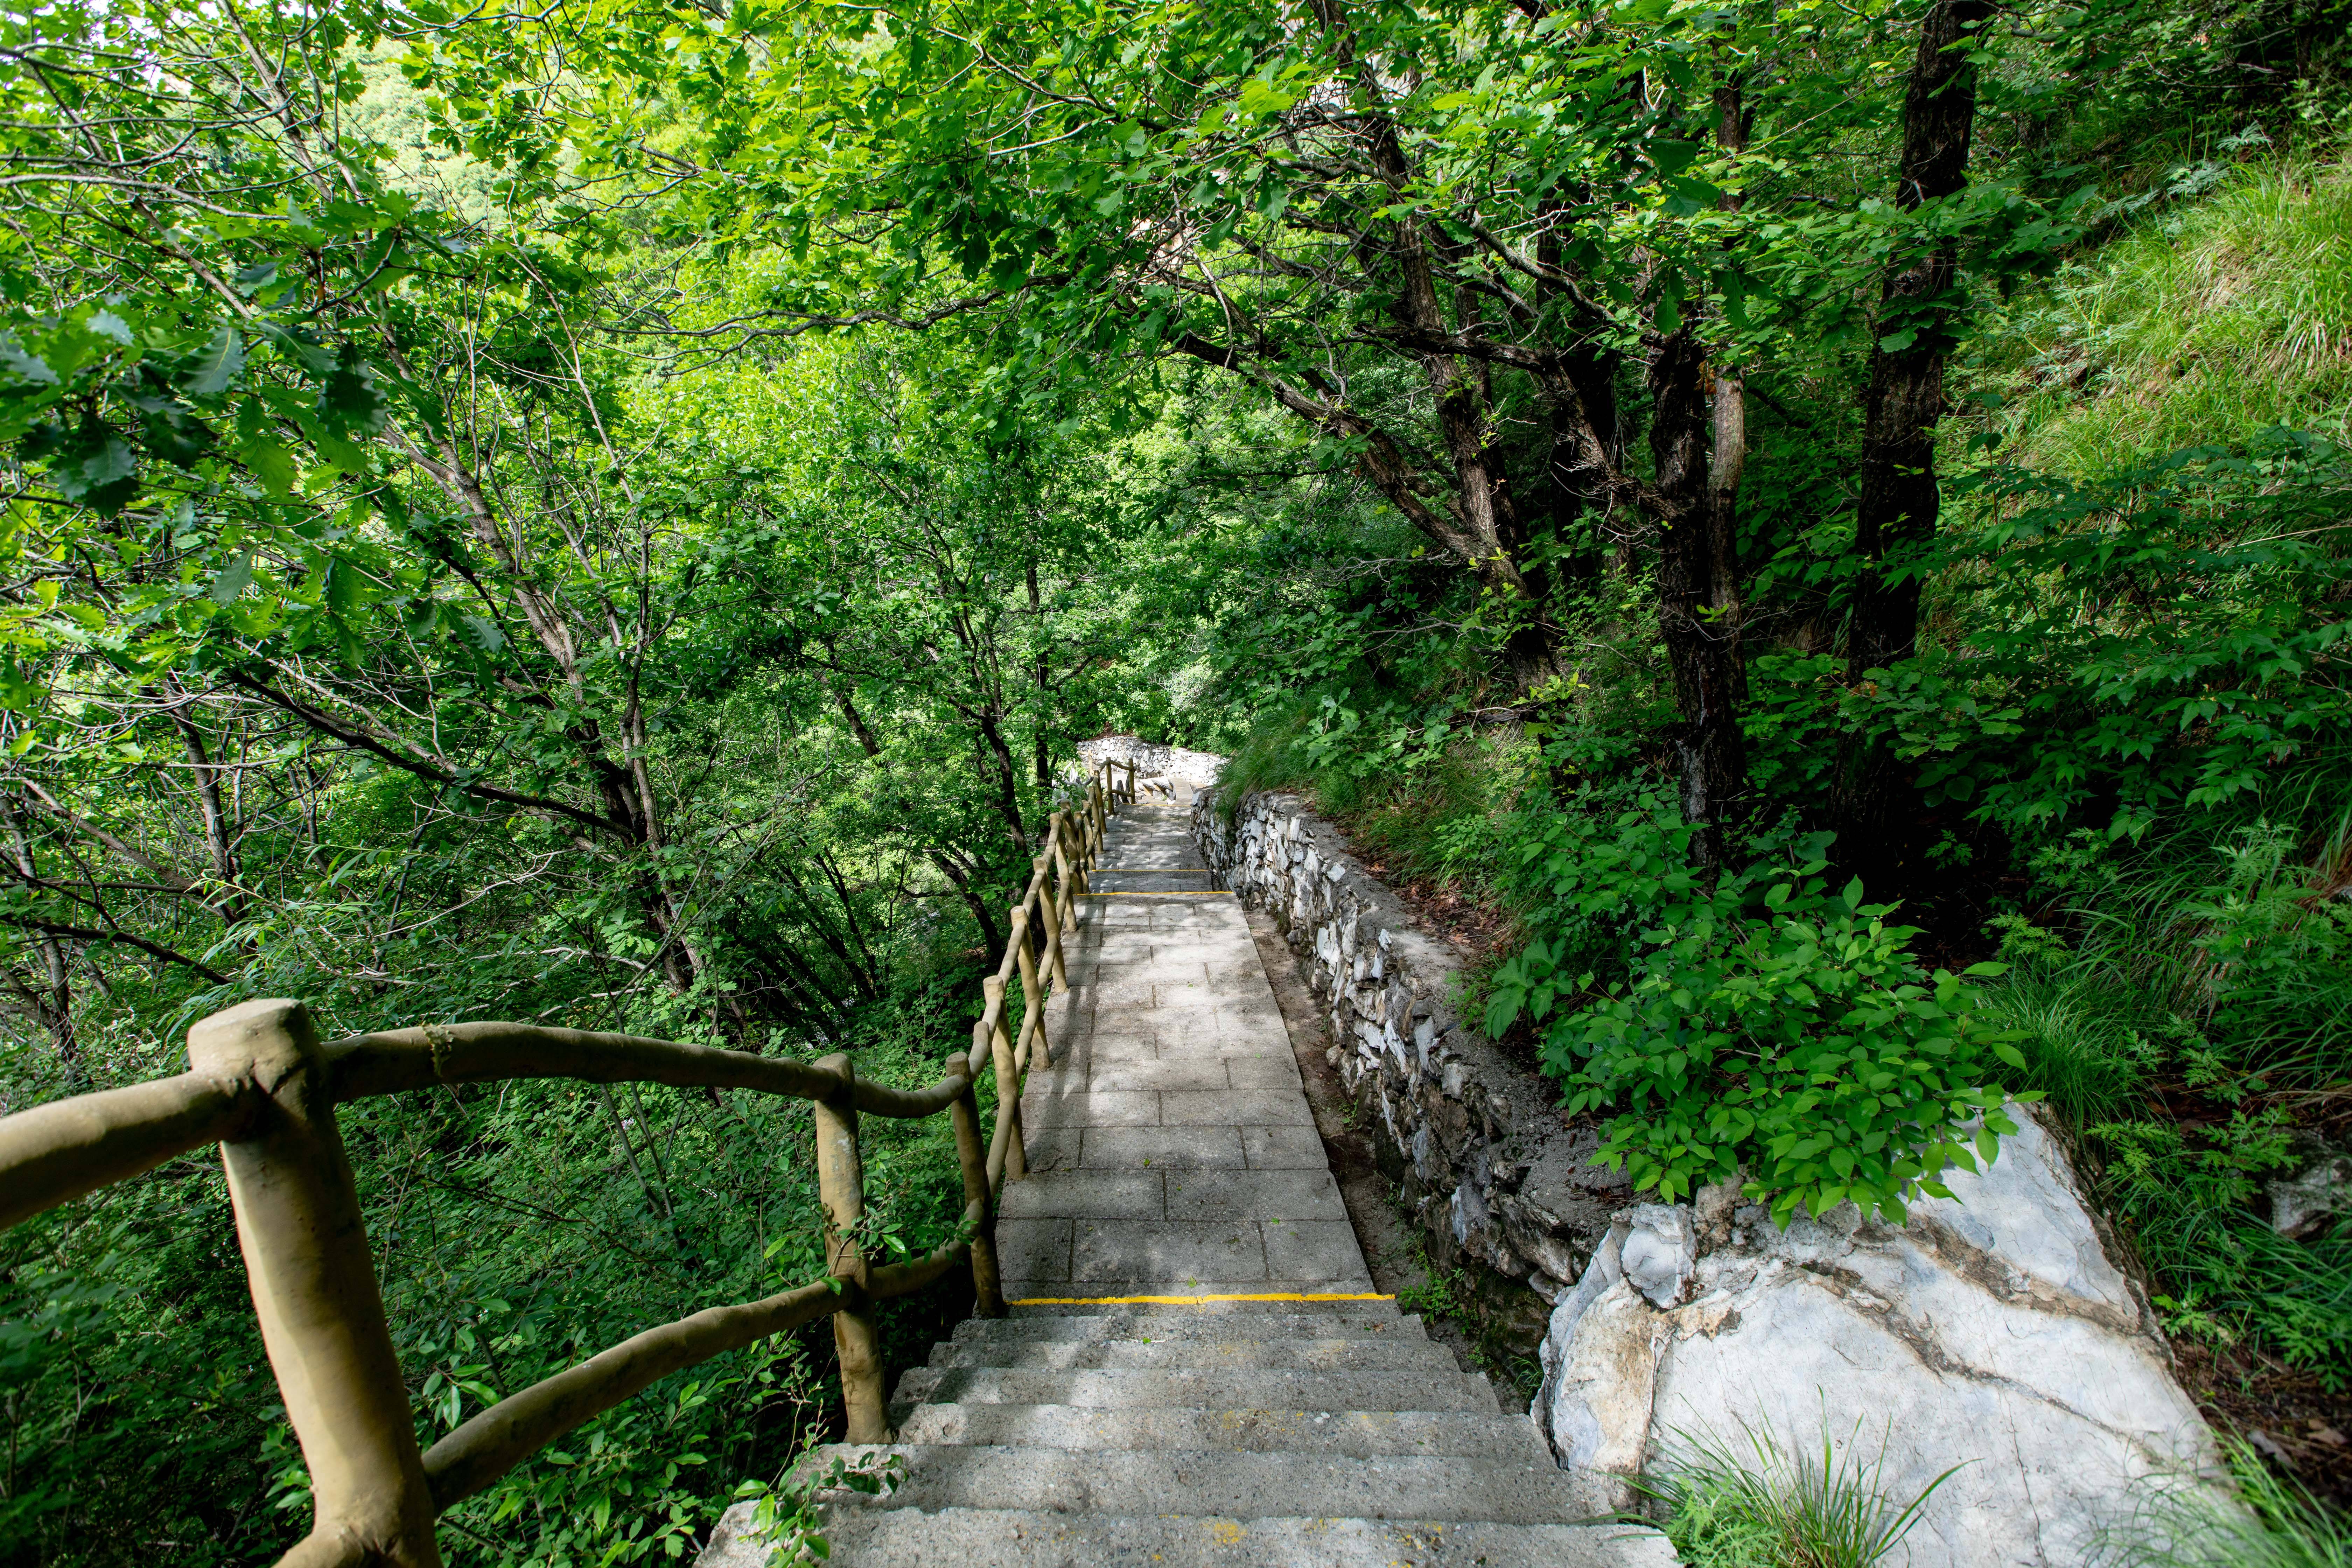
(1170, 1145)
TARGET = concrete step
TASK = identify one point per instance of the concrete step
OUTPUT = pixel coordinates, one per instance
(1426, 1388)
(1462, 1434)
(999, 1538)
(1347, 1310)
(1220, 1483)
(1363, 1353)
(1188, 1323)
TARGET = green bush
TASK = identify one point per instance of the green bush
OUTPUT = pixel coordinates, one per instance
(1764, 1024)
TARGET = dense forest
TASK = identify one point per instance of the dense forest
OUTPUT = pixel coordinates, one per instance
(1819, 534)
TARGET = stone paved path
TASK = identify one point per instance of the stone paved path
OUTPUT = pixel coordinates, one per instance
(1170, 1147)
(1220, 1420)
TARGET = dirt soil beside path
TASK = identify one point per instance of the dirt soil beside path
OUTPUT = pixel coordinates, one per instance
(1387, 1237)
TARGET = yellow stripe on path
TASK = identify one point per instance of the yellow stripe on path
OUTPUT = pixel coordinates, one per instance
(1191, 1300)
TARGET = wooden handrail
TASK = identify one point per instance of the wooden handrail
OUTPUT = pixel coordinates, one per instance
(57, 1153)
(263, 1087)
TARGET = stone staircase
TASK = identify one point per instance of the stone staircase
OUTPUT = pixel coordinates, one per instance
(1197, 1368)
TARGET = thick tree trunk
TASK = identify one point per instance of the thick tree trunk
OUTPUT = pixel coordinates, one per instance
(1899, 495)
(1895, 516)
(1702, 650)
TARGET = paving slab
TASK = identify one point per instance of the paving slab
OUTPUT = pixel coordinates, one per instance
(1465, 1433)
(1092, 1195)
(1295, 1196)
(1161, 1148)
(1283, 1149)
(1113, 1388)
(1372, 1319)
(1126, 1249)
(966, 1538)
(1359, 1352)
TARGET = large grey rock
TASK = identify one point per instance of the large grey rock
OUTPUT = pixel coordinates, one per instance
(1993, 1331)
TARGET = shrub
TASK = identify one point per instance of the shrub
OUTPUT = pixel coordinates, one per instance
(1764, 1024)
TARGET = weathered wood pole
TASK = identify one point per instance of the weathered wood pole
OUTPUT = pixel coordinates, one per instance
(1071, 847)
(1053, 906)
(1130, 780)
(841, 1187)
(972, 1155)
(1008, 1079)
(1033, 1046)
(314, 1290)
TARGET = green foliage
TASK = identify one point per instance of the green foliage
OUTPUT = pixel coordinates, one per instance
(1757, 1505)
(2202, 998)
(1767, 1027)
(2217, 316)
(450, 571)
(787, 1518)
(2271, 1523)
(2158, 640)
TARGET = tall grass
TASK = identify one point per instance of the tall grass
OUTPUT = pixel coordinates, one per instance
(2271, 1523)
(2212, 319)
(2184, 1014)
(1758, 1504)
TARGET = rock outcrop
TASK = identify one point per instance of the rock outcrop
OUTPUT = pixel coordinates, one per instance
(1992, 1331)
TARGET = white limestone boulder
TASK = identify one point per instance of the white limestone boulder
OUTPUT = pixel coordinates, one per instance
(1994, 1333)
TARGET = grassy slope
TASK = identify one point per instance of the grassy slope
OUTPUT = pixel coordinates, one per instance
(2212, 317)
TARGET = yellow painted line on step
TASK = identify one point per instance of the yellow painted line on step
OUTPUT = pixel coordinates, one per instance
(1191, 1300)
(1182, 893)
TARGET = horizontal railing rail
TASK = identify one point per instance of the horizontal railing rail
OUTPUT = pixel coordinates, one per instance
(264, 1087)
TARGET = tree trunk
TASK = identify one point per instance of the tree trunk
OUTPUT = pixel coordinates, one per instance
(1899, 495)
(1895, 516)
(218, 847)
(1701, 652)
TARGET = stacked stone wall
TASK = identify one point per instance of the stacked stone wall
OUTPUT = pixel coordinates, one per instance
(1497, 1180)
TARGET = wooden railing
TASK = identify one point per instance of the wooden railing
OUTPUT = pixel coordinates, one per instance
(262, 1086)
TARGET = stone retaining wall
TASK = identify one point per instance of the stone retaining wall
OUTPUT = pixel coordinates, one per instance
(1495, 1175)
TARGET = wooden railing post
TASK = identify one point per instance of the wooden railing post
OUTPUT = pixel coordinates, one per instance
(972, 1155)
(841, 1187)
(1008, 1079)
(1051, 907)
(1131, 780)
(1033, 1046)
(314, 1290)
(1072, 845)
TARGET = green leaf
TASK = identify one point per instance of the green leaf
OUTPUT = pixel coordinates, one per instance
(214, 365)
(270, 463)
(233, 579)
